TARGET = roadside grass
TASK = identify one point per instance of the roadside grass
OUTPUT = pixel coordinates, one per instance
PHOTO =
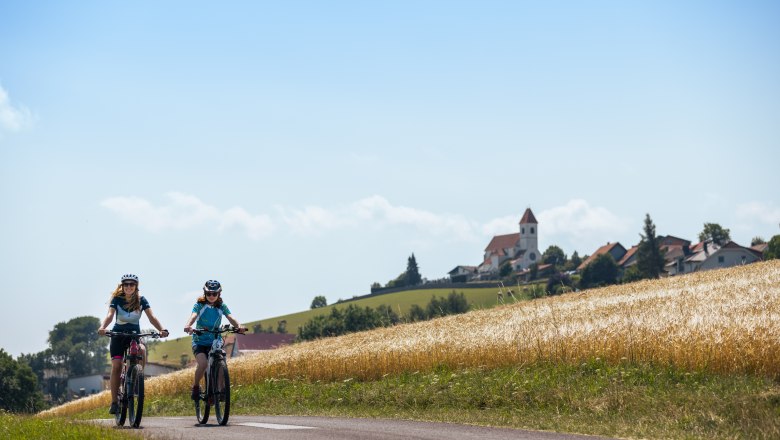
(625, 400)
(24, 427)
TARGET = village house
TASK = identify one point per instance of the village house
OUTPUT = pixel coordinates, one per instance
(708, 255)
(462, 274)
(615, 249)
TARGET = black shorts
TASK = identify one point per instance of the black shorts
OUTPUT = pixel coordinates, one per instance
(201, 349)
(118, 346)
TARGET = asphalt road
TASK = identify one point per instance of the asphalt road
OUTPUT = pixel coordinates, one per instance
(326, 428)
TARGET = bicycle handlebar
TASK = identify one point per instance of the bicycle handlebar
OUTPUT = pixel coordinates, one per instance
(225, 329)
(137, 335)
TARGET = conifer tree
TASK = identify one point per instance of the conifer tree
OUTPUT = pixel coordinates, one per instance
(650, 260)
(413, 277)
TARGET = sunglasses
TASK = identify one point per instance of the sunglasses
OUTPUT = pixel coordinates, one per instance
(128, 284)
(212, 293)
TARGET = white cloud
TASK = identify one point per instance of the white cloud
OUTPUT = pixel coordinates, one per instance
(758, 212)
(13, 118)
(184, 212)
(377, 212)
(576, 223)
(586, 227)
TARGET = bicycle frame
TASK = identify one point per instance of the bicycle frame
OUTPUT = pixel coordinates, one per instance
(130, 395)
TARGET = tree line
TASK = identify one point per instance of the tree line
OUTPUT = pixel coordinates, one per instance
(354, 319)
(75, 349)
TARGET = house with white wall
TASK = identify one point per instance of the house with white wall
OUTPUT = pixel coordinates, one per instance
(708, 255)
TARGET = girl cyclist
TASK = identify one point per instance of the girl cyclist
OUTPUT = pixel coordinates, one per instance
(207, 312)
(127, 304)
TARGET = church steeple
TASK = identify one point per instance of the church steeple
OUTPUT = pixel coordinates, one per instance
(528, 231)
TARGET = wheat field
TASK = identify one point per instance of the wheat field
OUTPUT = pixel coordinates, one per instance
(723, 321)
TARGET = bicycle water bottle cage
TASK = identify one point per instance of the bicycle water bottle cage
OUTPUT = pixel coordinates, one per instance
(133, 348)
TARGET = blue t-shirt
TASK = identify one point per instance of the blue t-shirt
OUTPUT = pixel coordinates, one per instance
(127, 321)
(210, 318)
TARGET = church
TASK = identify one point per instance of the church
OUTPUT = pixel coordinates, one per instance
(520, 248)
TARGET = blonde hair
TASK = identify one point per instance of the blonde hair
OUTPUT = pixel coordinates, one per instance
(135, 300)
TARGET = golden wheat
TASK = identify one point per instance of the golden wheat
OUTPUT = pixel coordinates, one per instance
(724, 321)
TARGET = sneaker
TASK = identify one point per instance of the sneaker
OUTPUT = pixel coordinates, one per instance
(195, 392)
(114, 408)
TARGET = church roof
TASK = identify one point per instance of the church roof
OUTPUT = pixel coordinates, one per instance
(528, 217)
(501, 242)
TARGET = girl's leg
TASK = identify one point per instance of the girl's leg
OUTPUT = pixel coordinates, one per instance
(116, 371)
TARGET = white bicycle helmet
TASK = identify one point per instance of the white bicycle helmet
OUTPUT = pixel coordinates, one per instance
(130, 277)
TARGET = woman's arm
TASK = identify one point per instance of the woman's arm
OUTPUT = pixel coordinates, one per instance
(188, 325)
(235, 323)
(156, 323)
(106, 321)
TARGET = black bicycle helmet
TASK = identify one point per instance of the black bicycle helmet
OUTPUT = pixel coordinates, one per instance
(212, 286)
(130, 277)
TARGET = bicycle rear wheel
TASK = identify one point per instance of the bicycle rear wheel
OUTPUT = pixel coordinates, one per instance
(202, 406)
(135, 395)
(221, 387)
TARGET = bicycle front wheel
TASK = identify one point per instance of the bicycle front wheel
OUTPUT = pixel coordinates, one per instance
(202, 406)
(221, 393)
(135, 395)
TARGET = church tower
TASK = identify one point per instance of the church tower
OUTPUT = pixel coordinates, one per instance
(529, 233)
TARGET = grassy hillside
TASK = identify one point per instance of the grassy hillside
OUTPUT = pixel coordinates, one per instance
(169, 352)
(694, 356)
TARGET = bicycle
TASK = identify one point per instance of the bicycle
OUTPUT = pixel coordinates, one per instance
(217, 389)
(131, 382)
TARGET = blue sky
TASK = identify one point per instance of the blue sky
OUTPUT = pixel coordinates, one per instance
(295, 149)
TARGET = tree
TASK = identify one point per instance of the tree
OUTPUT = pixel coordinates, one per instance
(281, 326)
(600, 272)
(319, 302)
(574, 262)
(757, 240)
(649, 258)
(558, 283)
(505, 269)
(773, 248)
(77, 347)
(413, 276)
(716, 233)
(417, 313)
(554, 255)
(18, 386)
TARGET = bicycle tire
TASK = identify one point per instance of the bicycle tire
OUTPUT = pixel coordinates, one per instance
(201, 403)
(121, 401)
(135, 396)
(221, 393)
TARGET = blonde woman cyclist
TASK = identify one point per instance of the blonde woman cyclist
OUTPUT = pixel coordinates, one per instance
(127, 304)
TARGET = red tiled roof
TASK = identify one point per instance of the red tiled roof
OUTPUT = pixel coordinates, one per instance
(500, 242)
(761, 247)
(528, 217)
(628, 255)
(602, 250)
(263, 341)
